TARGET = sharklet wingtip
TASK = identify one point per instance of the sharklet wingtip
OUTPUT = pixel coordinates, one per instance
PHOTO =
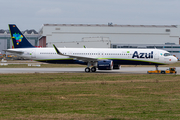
(57, 51)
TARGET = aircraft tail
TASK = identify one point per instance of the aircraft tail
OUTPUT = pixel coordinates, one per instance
(18, 39)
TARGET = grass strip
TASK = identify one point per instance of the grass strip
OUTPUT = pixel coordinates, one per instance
(89, 96)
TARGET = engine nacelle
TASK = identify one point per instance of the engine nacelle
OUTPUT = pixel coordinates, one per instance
(105, 65)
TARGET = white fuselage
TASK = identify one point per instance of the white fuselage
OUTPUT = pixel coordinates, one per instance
(119, 56)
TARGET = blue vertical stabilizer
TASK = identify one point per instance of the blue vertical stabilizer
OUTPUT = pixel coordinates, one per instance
(18, 39)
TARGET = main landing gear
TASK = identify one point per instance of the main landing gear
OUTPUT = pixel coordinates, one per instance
(93, 69)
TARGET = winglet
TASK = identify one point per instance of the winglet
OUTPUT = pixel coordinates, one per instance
(57, 51)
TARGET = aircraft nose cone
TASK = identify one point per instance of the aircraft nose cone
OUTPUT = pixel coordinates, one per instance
(174, 60)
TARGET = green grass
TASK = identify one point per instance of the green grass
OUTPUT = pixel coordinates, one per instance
(89, 96)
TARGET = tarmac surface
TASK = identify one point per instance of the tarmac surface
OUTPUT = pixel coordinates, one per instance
(123, 70)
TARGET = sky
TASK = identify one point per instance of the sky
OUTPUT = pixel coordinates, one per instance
(32, 14)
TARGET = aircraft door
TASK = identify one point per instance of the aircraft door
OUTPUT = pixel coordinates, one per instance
(156, 55)
(33, 53)
(70, 53)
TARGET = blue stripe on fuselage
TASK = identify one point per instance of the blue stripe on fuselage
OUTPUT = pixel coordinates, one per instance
(120, 62)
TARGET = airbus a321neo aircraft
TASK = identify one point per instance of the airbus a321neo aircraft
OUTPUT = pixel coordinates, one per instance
(101, 58)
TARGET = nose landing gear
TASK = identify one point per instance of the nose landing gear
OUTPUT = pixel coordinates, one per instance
(168, 71)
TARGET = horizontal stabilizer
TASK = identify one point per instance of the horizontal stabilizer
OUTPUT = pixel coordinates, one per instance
(14, 51)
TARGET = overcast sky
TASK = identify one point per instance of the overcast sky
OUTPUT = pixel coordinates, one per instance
(32, 14)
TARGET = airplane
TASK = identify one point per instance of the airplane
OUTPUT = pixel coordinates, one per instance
(94, 58)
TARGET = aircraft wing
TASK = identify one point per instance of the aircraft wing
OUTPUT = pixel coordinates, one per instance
(14, 51)
(85, 59)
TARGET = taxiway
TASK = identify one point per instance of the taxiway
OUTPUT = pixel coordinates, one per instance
(123, 70)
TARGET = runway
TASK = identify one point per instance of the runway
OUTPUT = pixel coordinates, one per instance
(123, 70)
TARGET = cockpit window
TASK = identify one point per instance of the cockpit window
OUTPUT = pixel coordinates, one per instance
(167, 54)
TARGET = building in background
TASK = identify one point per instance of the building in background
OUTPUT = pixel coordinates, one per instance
(88, 42)
(116, 36)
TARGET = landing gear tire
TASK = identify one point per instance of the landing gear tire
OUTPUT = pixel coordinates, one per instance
(87, 69)
(93, 69)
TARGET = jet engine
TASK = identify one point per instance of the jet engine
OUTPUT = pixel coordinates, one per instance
(105, 65)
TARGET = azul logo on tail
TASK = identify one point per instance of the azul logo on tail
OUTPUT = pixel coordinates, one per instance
(18, 38)
(142, 55)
